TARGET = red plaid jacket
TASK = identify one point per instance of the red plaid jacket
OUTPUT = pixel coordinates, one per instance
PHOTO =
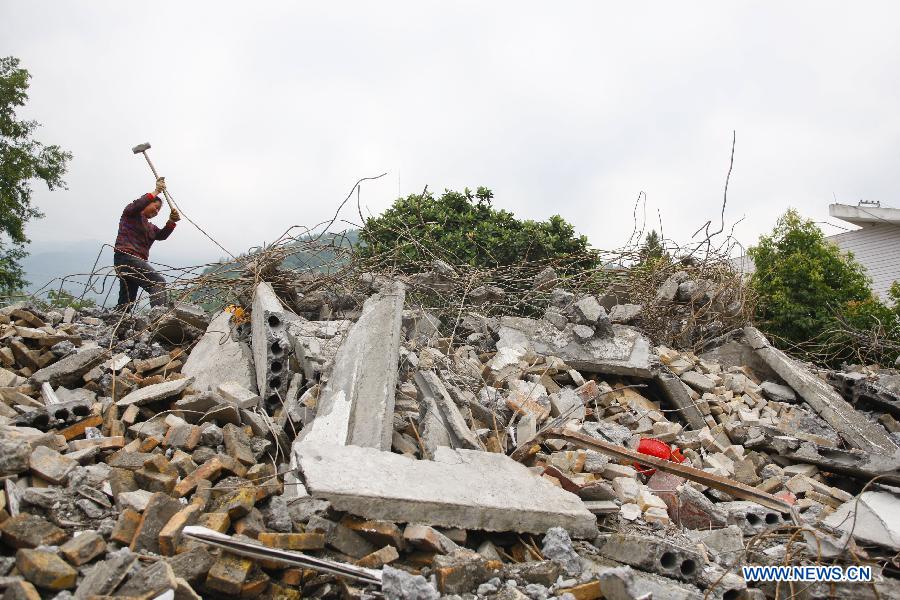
(136, 232)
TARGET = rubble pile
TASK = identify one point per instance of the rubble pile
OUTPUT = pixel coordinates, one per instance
(390, 449)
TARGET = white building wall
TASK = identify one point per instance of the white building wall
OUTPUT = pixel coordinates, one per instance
(877, 247)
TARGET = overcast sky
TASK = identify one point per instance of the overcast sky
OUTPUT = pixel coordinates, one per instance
(263, 115)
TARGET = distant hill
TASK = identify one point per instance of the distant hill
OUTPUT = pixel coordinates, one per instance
(49, 262)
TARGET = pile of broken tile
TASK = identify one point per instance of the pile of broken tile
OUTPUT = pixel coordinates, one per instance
(371, 454)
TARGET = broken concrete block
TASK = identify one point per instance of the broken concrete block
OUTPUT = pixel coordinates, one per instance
(777, 392)
(837, 412)
(316, 343)
(679, 395)
(14, 455)
(557, 547)
(625, 313)
(105, 576)
(699, 381)
(270, 345)
(69, 370)
(626, 352)
(357, 404)
(45, 570)
(567, 402)
(459, 488)
(651, 554)
(150, 581)
(877, 519)
(156, 392)
(234, 392)
(31, 531)
(400, 585)
(51, 465)
(463, 570)
(441, 412)
(218, 357)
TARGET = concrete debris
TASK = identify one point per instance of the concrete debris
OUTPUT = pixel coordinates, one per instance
(872, 519)
(270, 345)
(357, 404)
(219, 356)
(174, 455)
(458, 488)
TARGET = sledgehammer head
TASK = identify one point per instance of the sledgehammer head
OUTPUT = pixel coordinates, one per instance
(141, 148)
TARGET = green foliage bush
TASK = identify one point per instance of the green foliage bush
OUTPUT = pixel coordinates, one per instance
(814, 298)
(464, 228)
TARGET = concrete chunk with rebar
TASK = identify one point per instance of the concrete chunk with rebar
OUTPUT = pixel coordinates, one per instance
(270, 346)
(468, 489)
(357, 405)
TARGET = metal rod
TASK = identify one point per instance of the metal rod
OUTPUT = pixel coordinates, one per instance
(729, 486)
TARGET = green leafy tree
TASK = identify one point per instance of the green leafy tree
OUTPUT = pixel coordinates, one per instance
(22, 160)
(466, 229)
(801, 279)
(810, 294)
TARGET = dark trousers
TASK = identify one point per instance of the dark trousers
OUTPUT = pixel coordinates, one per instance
(135, 273)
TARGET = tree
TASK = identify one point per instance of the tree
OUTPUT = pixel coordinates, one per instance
(806, 286)
(22, 160)
(464, 228)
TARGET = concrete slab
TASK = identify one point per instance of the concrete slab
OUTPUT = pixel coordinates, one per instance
(432, 393)
(877, 520)
(459, 488)
(69, 370)
(357, 404)
(626, 352)
(270, 345)
(158, 391)
(315, 345)
(851, 424)
(218, 358)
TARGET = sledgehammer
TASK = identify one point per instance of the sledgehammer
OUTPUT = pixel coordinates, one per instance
(142, 148)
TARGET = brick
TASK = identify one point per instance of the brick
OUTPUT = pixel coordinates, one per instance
(104, 443)
(228, 574)
(83, 548)
(192, 565)
(45, 570)
(264, 477)
(294, 541)
(585, 591)
(379, 558)
(237, 445)
(236, 503)
(170, 535)
(156, 482)
(77, 430)
(30, 531)
(210, 470)
(140, 366)
(158, 512)
(220, 522)
(126, 527)
(428, 538)
(380, 533)
(51, 465)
